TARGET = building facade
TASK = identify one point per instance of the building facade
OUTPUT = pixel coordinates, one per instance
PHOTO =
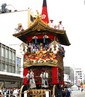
(9, 67)
(78, 76)
(68, 74)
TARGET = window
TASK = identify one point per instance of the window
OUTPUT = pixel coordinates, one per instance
(8, 59)
(13, 56)
(6, 53)
(6, 67)
(2, 67)
(18, 61)
(10, 68)
(10, 54)
(13, 69)
(2, 52)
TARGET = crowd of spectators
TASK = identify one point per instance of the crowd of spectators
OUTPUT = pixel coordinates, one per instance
(9, 92)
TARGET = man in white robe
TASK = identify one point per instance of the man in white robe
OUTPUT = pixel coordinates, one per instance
(31, 79)
(44, 76)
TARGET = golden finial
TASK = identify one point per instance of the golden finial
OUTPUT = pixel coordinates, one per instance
(38, 14)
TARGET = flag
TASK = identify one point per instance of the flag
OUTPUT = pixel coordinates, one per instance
(44, 14)
(31, 18)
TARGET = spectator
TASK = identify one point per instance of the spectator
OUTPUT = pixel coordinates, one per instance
(11, 92)
(58, 91)
(7, 93)
(15, 92)
(68, 94)
(64, 92)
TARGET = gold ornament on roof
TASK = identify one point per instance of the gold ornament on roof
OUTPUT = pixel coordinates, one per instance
(38, 14)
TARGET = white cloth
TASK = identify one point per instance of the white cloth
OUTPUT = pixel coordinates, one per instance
(51, 25)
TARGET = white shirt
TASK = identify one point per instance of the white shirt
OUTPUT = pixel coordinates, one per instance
(60, 27)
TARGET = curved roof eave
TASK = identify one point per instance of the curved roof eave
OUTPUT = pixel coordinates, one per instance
(39, 26)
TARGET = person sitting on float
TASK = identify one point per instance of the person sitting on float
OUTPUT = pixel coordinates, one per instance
(60, 26)
(19, 28)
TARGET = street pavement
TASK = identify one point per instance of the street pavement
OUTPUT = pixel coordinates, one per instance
(78, 94)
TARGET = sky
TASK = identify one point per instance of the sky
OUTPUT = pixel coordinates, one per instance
(70, 12)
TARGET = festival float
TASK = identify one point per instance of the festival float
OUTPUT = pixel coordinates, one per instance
(43, 57)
